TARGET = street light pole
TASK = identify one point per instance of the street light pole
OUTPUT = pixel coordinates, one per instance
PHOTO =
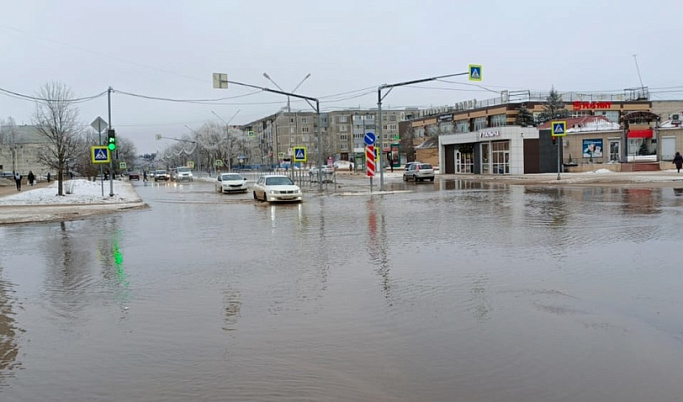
(379, 114)
(227, 136)
(289, 108)
(219, 82)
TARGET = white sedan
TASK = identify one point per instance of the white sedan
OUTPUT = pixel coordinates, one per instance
(229, 182)
(276, 188)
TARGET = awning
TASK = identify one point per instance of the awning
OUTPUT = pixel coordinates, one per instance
(640, 133)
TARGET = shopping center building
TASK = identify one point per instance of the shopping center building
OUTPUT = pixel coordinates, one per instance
(485, 137)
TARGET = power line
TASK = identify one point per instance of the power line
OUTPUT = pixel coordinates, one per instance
(38, 99)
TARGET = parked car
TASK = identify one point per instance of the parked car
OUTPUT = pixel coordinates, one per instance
(160, 175)
(134, 176)
(7, 175)
(419, 172)
(228, 182)
(325, 172)
(183, 173)
(273, 188)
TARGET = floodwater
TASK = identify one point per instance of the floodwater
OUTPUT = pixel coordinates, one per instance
(452, 291)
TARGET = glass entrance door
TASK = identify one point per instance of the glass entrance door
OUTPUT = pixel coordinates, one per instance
(485, 158)
(614, 150)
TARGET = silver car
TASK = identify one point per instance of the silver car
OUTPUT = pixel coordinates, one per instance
(273, 188)
(418, 172)
(229, 182)
(183, 173)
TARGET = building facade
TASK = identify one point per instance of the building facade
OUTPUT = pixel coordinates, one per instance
(272, 139)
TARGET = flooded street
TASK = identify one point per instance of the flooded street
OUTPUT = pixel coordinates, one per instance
(450, 291)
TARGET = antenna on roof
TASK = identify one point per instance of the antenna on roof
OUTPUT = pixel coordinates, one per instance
(635, 58)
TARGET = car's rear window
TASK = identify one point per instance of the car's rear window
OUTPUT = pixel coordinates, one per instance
(425, 166)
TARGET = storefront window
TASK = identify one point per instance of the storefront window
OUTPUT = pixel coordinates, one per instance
(500, 157)
(462, 126)
(498, 120)
(480, 123)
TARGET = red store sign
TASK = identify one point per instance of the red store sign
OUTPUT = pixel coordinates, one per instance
(578, 105)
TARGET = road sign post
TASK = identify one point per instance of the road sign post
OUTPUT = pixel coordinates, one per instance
(558, 129)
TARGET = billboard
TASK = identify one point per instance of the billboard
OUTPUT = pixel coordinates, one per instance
(592, 148)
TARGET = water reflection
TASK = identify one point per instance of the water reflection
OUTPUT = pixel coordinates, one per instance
(377, 246)
(232, 303)
(9, 348)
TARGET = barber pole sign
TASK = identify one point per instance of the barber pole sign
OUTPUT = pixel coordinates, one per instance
(370, 161)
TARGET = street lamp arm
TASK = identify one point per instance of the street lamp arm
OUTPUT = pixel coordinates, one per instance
(400, 84)
(273, 91)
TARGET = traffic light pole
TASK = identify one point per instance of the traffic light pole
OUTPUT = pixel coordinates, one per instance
(111, 153)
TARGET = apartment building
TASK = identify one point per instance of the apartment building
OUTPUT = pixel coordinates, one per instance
(274, 137)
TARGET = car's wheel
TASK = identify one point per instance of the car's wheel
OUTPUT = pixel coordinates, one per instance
(265, 197)
(405, 178)
(255, 197)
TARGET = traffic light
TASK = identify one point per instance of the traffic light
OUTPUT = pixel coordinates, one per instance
(554, 139)
(111, 140)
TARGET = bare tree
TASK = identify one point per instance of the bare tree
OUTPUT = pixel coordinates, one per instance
(56, 117)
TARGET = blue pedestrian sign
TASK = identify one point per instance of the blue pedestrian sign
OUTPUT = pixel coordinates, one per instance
(559, 128)
(100, 154)
(300, 154)
(369, 138)
(475, 72)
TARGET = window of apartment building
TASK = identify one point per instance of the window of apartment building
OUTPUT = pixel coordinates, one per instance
(343, 127)
(446, 127)
(462, 126)
(343, 137)
(498, 120)
(344, 147)
(291, 120)
(304, 130)
(292, 130)
(358, 136)
(304, 120)
(342, 119)
(480, 123)
(392, 117)
(393, 127)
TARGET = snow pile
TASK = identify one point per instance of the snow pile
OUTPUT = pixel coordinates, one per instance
(601, 171)
(77, 192)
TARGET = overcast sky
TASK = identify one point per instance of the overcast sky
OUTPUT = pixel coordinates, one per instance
(169, 49)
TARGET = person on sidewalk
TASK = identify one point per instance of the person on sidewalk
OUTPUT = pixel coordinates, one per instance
(48, 177)
(17, 179)
(678, 161)
(31, 178)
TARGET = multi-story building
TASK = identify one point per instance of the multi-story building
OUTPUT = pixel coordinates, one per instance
(486, 137)
(19, 146)
(275, 136)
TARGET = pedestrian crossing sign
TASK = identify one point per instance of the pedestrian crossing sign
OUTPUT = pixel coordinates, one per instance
(475, 72)
(100, 154)
(559, 128)
(300, 154)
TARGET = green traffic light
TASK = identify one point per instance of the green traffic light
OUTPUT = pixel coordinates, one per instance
(112, 144)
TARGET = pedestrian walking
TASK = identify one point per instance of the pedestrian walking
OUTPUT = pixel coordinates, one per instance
(48, 177)
(144, 175)
(678, 161)
(17, 179)
(31, 178)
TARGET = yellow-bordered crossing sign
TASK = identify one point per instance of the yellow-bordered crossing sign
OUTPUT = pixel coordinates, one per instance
(100, 154)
